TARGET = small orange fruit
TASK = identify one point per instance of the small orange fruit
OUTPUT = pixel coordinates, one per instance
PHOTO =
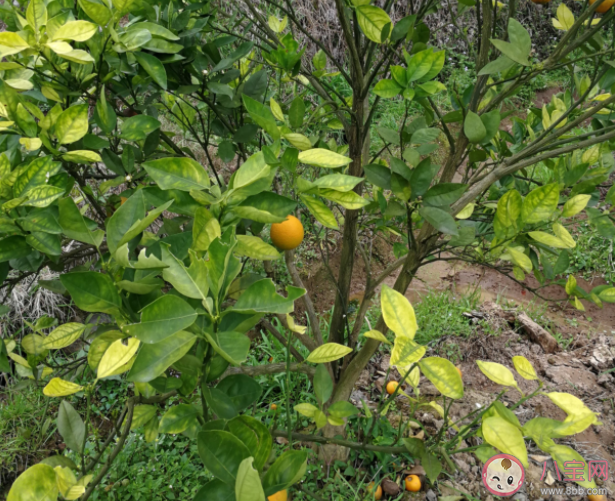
(287, 235)
(541, 1)
(391, 387)
(279, 496)
(596, 497)
(604, 6)
(413, 483)
(459, 371)
(123, 200)
(375, 490)
(274, 407)
(270, 359)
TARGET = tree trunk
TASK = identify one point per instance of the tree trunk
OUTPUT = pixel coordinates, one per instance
(357, 147)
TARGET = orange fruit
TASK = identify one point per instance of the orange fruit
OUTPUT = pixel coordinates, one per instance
(596, 497)
(413, 483)
(287, 235)
(459, 371)
(541, 1)
(123, 200)
(274, 407)
(375, 490)
(604, 6)
(391, 387)
(279, 496)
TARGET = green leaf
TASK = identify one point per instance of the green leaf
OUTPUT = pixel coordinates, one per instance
(473, 128)
(511, 51)
(71, 427)
(398, 313)
(266, 207)
(607, 295)
(497, 373)
(262, 297)
(37, 483)
(92, 291)
(35, 174)
(320, 211)
(72, 124)
(387, 88)
(342, 410)
(162, 318)
(13, 248)
(506, 437)
(153, 359)
(540, 204)
(74, 225)
(378, 336)
(241, 390)
(96, 11)
(287, 470)
(323, 385)
(372, 21)
(262, 116)
(443, 375)
(64, 336)
(320, 157)
(178, 419)
(216, 490)
(432, 467)
(248, 486)
(131, 211)
(142, 224)
(444, 194)
(153, 67)
(440, 220)
(222, 453)
(141, 415)
(328, 352)
(296, 112)
(307, 410)
(253, 169)
(255, 436)
(105, 115)
(178, 173)
(138, 128)
(99, 347)
(191, 282)
(501, 64)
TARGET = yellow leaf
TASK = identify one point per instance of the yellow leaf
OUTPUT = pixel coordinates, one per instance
(117, 358)
(506, 437)
(60, 47)
(319, 157)
(520, 259)
(524, 368)
(299, 329)
(64, 335)
(299, 141)
(79, 31)
(443, 375)
(82, 156)
(31, 143)
(571, 285)
(58, 387)
(398, 313)
(328, 352)
(406, 352)
(565, 17)
(578, 304)
(439, 409)
(378, 336)
(497, 373)
(575, 205)
(414, 377)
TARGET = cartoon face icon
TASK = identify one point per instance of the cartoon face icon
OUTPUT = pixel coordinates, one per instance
(503, 475)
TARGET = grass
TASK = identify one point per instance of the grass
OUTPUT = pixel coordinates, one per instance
(25, 430)
(593, 257)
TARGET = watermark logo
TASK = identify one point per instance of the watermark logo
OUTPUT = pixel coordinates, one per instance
(503, 475)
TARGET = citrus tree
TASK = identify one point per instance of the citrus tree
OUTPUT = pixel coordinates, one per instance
(154, 243)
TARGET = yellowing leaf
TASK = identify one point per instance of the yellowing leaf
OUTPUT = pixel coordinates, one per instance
(328, 352)
(299, 329)
(320, 157)
(398, 313)
(31, 143)
(276, 109)
(506, 437)
(548, 239)
(524, 368)
(497, 373)
(578, 304)
(117, 357)
(520, 259)
(307, 410)
(591, 156)
(79, 31)
(299, 141)
(60, 47)
(575, 205)
(373, 21)
(82, 156)
(64, 336)
(443, 375)
(438, 408)
(378, 336)
(565, 17)
(58, 387)
(564, 455)
(564, 236)
(466, 212)
(406, 352)
(571, 285)
(11, 43)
